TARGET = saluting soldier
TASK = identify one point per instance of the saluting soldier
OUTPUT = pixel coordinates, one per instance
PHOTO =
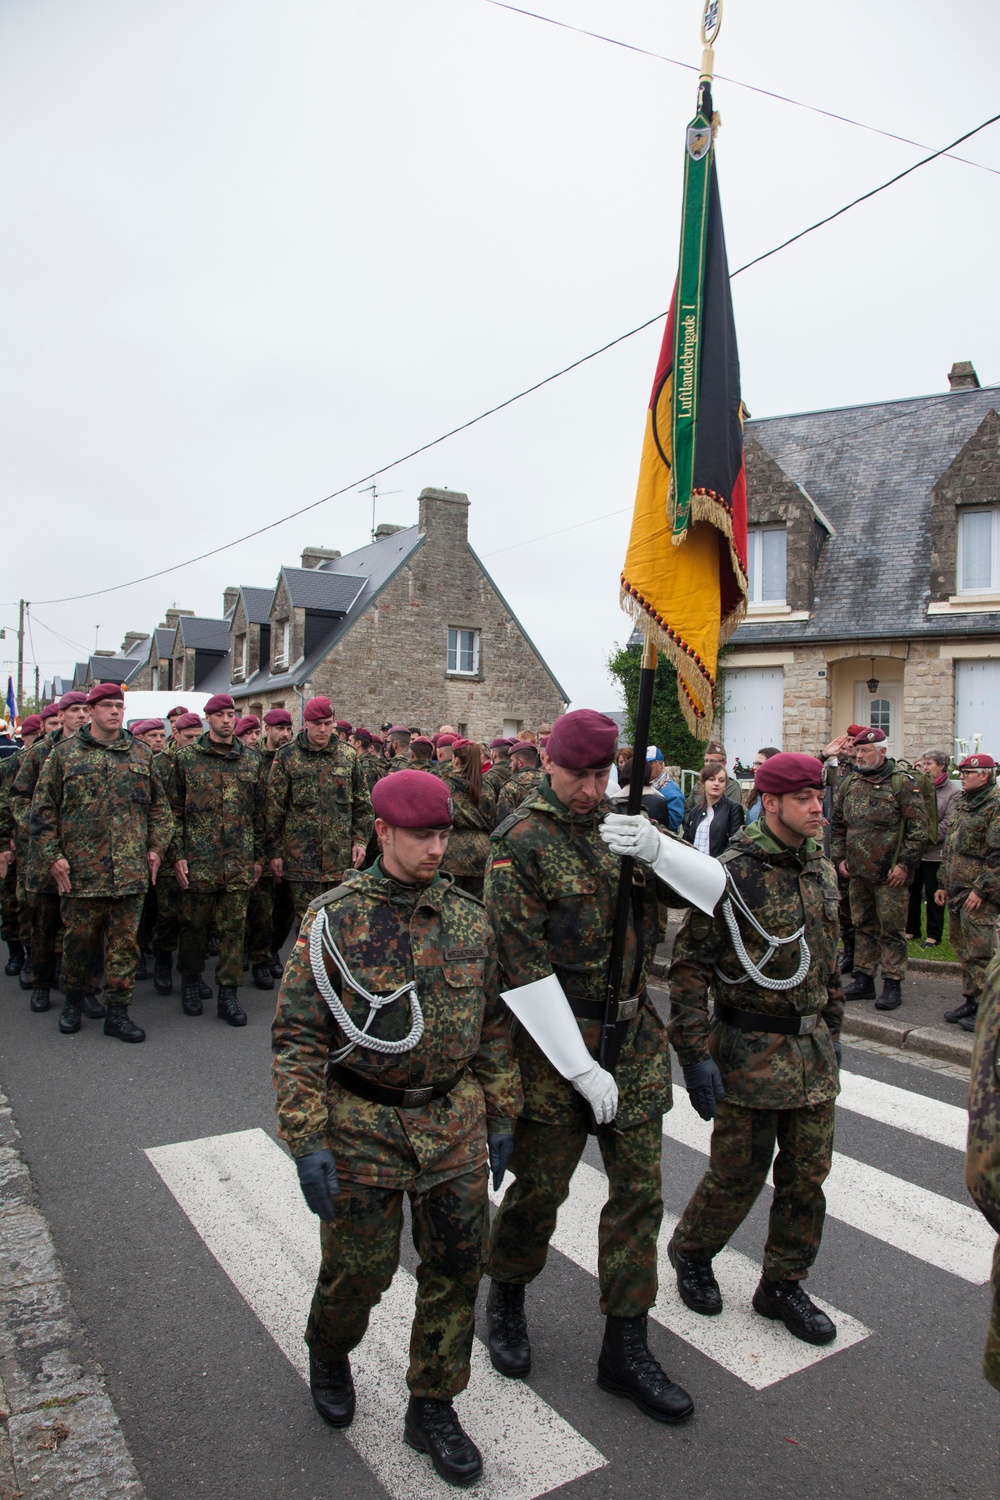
(16, 931)
(524, 781)
(411, 1105)
(270, 912)
(970, 880)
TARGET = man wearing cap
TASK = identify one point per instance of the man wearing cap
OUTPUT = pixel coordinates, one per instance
(970, 880)
(344, 729)
(100, 823)
(166, 933)
(839, 759)
(366, 747)
(153, 733)
(177, 713)
(765, 1065)
(500, 772)
(416, 1111)
(659, 781)
(318, 815)
(445, 746)
(879, 835)
(270, 912)
(16, 928)
(421, 754)
(247, 731)
(217, 797)
(398, 748)
(525, 778)
(551, 889)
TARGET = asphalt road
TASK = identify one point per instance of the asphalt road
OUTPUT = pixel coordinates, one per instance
(210, 1405)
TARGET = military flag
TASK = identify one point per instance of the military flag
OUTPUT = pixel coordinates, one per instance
(11, 701)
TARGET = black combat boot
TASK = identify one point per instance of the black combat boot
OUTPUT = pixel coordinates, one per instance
(191, 996)
(277, 967)
(262, 977)
(119, 1023)
(968, 1023)
(786, 1302)
(204, 990)
(332, 1388)
(627, 1367)
(510, 1351)
(57, 974)
(69, 1021)
(229, 1008)
(433, 1427)
(891, 997)
(964, 1012)
(696, 1281)
(92, 1007)
(141, 971)
(24, 979)
(847, 962)
(861, 987)
(40, 998)
(15, 962)
(163, 973)
(212, 948)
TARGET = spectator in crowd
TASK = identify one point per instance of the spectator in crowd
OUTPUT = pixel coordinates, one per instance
(756, 807)
(710, 825)
(622, 757)
(935, 764)
(715, 755)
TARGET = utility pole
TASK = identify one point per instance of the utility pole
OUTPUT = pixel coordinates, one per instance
(37, 703)
(20, 657)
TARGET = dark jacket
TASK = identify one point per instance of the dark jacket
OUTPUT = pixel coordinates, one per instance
(726, 824)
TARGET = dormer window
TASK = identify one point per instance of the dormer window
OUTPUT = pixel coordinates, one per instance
(979, 550)
(766, 565)
(283, 643)
(240, 658)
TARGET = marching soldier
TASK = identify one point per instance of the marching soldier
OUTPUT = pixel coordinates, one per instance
(982, 1156)
(525, 778)
(270, 912)
(766, 1064)
(970, 880)
(411, 1105)
(16, 930)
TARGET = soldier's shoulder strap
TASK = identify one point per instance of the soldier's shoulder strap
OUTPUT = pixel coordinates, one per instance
(458, 890)
(328, 897)
(510, 821)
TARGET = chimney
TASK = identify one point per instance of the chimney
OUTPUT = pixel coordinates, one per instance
(172, 616)
(229, 598)
(962, 376)
(132, 638)
(315, 557)
(445, 512)
(386, 528)
(105, 653)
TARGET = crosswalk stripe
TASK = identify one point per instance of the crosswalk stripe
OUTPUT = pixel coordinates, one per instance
(241, 1193)
(935, 1229)
(757, 1351)
(946, 1124)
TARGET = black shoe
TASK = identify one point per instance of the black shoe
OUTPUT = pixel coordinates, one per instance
(262, 977)
(891, 997)
(861, 987)
(277, 967)
(433, 1427)
(69, 1021)
(332, 1388)
(191, 996)
(964, 1012)
(141, 971)
(213, 946)
(787, 1302)
(15, 962)
(119, 1023)
(696, 1281)
(24, 979)
(847, 962)
(163, 973)
(229, 1008)
(507, 1341)
(40, 998)
(627, 1367)
(969, 1024)
(204, 990)
(92, 1007)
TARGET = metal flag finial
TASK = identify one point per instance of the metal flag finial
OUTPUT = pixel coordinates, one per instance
(711, 22)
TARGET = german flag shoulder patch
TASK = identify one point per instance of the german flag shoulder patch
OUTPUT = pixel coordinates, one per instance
(502, 862)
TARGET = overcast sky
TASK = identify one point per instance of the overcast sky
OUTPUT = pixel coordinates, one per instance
(251, 250)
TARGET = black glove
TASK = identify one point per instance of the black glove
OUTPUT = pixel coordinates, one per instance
(704, 1086)
(318, 1181)
(838, 1053)
(501, 1149)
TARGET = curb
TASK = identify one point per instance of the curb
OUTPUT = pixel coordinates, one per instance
(933, 966)
(59, 1433)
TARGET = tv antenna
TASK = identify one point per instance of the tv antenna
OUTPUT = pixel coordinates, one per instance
(376, 494)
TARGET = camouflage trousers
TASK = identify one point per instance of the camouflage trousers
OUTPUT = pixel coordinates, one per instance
(844, 910)
(10, 923)
(360, 1250)
(879, 916)
(46, 936)
(23, 909)
(991, 1354)
(974, 938)
(166, 932)
(227, 910)
(743, 1142)
(100, 929)
(270, 913)
(545, 1158)
(147, 918)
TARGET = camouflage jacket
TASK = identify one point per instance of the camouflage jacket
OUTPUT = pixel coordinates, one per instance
(103, 809)
(8, 770)
(398, 763)
(469, 845)
(317, 808)
(971, 859)
(373, 768)
(22, 790)
(521, 786)
(867, 812)
(389, 933)
(217, 798)
(783, 888)
(497, 777)
(982, 1155)
(550, 892)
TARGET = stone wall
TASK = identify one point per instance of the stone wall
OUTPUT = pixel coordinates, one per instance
(972, 478)
(774, 499)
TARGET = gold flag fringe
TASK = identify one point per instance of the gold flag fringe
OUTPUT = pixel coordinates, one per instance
(696, 684)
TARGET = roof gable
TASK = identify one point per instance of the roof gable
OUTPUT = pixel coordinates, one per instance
(316, 589)
(203, 634)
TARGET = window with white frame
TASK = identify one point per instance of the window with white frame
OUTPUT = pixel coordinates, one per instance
(979, 550)
(283, 643)
(240, 657)
(463, 652)
(766, 565)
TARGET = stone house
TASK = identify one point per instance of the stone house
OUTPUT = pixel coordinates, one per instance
(201, 653)
(156, 671)
(874, 572)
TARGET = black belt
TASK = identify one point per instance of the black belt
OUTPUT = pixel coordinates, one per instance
(751, 1020)
(593, 1010)
(381, 1093)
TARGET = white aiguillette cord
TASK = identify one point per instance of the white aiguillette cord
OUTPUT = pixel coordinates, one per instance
(320, 942)
(752, 971)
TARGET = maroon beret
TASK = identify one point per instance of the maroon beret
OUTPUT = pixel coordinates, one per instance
(316, 709)
(363, 736)
(977, 762)
(788, 772)
(583, 740)
(460, 742)
(412, 799)
(49, 711)
(248, 721)
(218, 703)
(276, 717)
(187, 721)
(142, 725)
(854, 729)
(445, 739)
(500, 744)
(69, 699)
(32, 724)
(398, 729)
(154, 724)
(344, 725)
(869, 737)
(421, 739)
(180, 709)
(102, 692)
(376, 738)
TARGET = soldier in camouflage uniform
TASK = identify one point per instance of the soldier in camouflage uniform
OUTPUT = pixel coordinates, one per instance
(398, 749)
(766, 1065)
(550, 892)
(166, 932)
(500, 770)
(318, 815)
(100, 823)
(970, 880)
(838, 762)
(368, 1127)
(217, 799)
(524, 781)
(982, 1156)
(880, 832)
(422, 754)
(473, 816)
(270, 912)
(16, 931)
(153, 733)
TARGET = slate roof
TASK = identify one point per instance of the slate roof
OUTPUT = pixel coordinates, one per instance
(256, 604)
(139, 650)
(204, 634)
(871, 470)
(330, 592)
(164, 641)
(112, 668)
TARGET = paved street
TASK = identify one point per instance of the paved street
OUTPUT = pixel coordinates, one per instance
(190, 1259)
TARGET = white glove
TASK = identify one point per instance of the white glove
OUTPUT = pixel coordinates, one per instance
(632, 835)
(696, 877)
(600, 1091)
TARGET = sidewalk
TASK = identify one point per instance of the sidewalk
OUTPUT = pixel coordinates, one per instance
(929, 989)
